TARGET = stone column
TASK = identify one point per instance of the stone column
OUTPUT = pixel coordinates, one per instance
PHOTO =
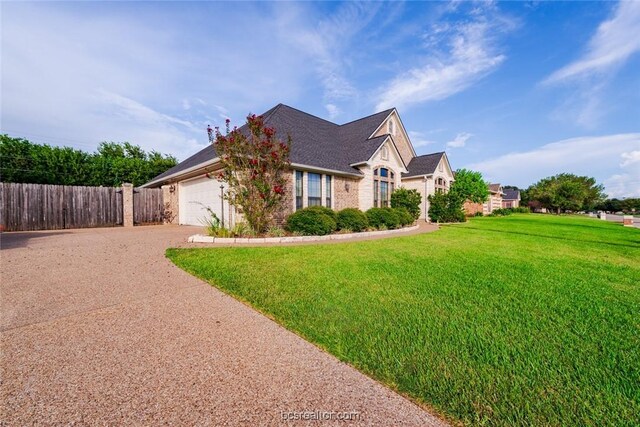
(603, 216)
(127, 205)
(627, 220)
(171, 205)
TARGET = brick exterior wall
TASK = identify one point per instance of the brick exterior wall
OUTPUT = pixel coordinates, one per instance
(344, 198)
(471, 208)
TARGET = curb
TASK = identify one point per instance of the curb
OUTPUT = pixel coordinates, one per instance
(201, 238)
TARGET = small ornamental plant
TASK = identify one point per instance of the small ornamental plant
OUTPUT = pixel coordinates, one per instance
(254, 165)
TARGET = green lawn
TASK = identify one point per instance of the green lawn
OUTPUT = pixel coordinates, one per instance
(520, 320)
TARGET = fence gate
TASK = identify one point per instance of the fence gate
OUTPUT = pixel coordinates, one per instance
(148, 206)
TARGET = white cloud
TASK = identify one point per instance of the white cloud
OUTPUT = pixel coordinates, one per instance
(460, 140)
(596, 156)
(630, 158)
(627, 182)
(472, 54)
(419, 139)
(333, 110)
(615, 41)
(323, 43)
(67, 83)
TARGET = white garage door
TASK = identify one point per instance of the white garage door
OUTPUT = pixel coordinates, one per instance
(197, 194)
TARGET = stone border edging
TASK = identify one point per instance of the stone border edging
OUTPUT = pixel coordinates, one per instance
(200, 238)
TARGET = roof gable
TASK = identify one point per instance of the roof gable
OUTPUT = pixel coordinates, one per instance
(423, 165)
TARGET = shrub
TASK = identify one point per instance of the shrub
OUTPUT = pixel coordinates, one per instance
(386, 217)
(352, 219)
(408, 199)
(501, 212)
(445, 207)
(404, 216)
(521, 209)
(327, 211)
(478, 214)
(311, 222)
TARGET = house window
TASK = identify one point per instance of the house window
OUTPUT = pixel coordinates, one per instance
(299, 176)
(383, 186)
(391, 127)
(384, 153)
(327, 191)
(314, 189)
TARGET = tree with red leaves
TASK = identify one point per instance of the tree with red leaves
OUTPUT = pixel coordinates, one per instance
(254, 165)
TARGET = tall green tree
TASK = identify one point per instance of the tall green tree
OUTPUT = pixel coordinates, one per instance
(111, 165)
(469, 185)
(408, 199)
(567, 192)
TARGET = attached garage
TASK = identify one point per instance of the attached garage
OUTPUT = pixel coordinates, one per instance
(195, 195)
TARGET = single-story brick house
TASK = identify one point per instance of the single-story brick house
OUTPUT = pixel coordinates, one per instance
(511, 198)
(356, 164)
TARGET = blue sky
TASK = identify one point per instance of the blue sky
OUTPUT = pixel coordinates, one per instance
(517, 90)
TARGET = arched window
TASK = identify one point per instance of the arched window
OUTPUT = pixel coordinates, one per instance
(384, 153)
(391, 127)
(383, 186)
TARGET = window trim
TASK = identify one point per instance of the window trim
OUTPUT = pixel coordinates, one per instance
(328, 180)
(299, 185)
(378, 180)
(313, 200)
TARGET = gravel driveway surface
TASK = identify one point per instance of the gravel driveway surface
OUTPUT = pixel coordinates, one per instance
(98, 327)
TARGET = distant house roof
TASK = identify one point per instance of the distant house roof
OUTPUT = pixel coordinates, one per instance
(495, 188)
(423, 165)
(317, 143)
(511, 194)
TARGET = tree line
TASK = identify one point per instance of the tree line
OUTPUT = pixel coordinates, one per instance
(111, 165)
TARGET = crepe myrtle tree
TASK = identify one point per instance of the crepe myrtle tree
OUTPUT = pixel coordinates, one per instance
(254, 166)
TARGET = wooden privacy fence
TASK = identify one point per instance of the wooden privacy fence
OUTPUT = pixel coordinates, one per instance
(25, 207)
(148, 206)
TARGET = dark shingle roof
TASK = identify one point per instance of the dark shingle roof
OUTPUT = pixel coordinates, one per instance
(423, 165)
(511, 194)
(316, 142)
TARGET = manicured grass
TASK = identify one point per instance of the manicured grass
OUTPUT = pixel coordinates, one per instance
(519, 320)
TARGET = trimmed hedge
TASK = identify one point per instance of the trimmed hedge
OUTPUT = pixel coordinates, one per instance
(383, 218)
(352, 219)
(311, 222)
(509, 211)
(406, 218)
(324, 210)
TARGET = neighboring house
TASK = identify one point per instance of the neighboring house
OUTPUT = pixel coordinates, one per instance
(357, 164)
(511, 198)
(495, 199)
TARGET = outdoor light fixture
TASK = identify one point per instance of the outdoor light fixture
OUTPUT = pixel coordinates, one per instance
(347, 186)
(172, 188)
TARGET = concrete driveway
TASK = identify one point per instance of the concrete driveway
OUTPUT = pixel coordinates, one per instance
(98, 327)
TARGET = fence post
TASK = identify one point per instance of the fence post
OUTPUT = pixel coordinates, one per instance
(127, 205)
